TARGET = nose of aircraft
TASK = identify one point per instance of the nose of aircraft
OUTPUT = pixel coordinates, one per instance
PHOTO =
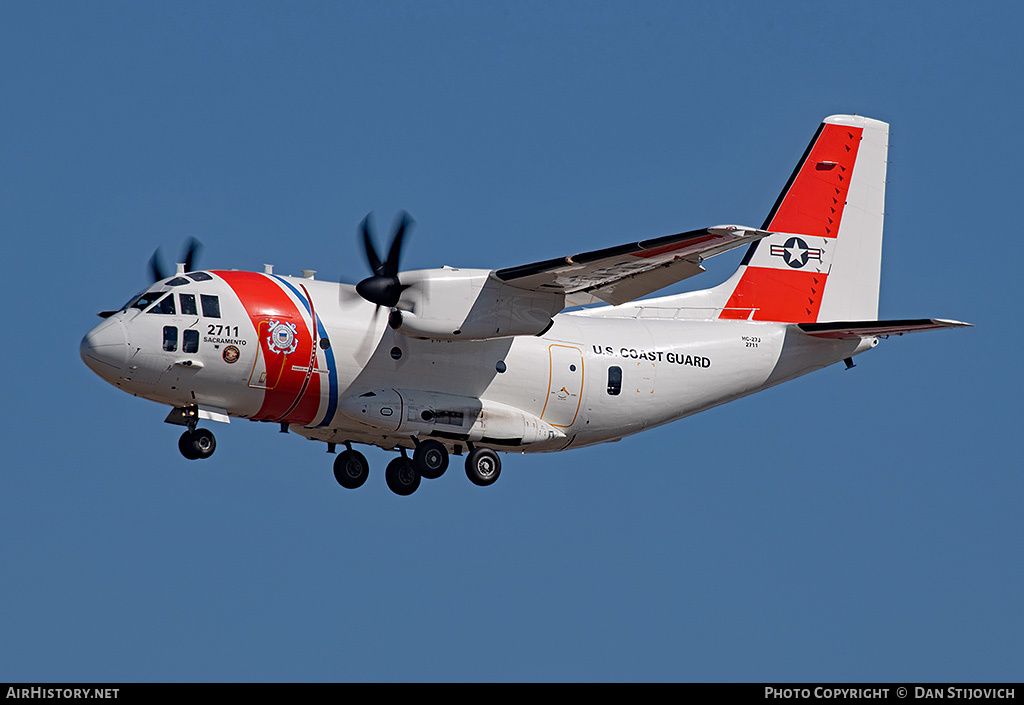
(105, 349)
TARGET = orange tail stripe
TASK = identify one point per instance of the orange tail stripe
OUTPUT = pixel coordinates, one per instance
(776, 295)
(814, 204)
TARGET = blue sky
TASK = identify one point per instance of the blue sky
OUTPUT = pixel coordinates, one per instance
(858, 525)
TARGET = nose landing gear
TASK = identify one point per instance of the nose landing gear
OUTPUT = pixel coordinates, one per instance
(197, 443)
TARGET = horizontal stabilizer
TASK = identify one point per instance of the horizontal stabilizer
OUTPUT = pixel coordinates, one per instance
(866, 329)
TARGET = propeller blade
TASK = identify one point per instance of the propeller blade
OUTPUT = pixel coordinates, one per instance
(395, 253)
(156, 268)
(194, 248)
(158, 271)
(348, 297)
(369, 342)
(371, 252)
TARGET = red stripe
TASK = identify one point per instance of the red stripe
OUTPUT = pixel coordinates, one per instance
(815, 201)
(765, 294)
(265, 301)
(665, 249)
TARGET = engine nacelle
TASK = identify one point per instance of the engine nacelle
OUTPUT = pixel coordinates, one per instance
(414, 412)
(470, 304)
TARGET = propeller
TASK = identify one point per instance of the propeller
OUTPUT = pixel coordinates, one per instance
(157, 269)
(383, 288)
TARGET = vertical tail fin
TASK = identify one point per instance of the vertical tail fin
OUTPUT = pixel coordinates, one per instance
(823, 261)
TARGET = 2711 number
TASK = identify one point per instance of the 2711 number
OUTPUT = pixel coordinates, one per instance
(220, 330)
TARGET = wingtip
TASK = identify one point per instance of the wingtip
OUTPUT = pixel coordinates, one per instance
(950, 323)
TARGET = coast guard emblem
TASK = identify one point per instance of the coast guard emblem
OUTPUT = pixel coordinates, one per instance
(283, 337)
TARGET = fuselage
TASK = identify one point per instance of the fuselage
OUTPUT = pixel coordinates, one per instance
(315, 356)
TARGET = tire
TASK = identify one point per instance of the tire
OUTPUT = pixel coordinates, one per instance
(402, 476)
(185, 446)
(351, 469)
(483, 466)
(203, 443)
(431, 459)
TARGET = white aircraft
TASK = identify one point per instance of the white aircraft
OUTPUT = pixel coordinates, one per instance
(469, 361)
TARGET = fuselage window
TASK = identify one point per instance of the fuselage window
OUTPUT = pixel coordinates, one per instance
(614, 380)
(211, 306)
(188, 304)
(190, 340)
(178, 281)
(166, 306)
(199, 276)
(170, 338)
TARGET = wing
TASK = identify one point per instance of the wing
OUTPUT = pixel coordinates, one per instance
(616, 275)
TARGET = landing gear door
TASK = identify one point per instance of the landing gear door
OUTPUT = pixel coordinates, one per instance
(565, 387)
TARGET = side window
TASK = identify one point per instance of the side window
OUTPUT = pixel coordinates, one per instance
(190, 341)
(188, 304)
(614, 381)
(211, 306)
(166, 306)
(170, 338)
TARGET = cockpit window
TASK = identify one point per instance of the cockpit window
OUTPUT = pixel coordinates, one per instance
(178, 281)
(188, 304)
(142, 302)
(165, 306)
(132, 300)
(199, 276)
(211, 306)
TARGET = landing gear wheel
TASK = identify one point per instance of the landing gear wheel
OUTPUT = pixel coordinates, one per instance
(483, 466)
(351, 469)
(185, 446)
(431, 459)
(198, 444)
(401, 476)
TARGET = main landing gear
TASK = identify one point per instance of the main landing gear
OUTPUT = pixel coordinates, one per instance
(483, 466)
(351, 469)
(403, 474)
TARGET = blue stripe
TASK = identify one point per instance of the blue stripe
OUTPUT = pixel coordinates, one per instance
(332, 370)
